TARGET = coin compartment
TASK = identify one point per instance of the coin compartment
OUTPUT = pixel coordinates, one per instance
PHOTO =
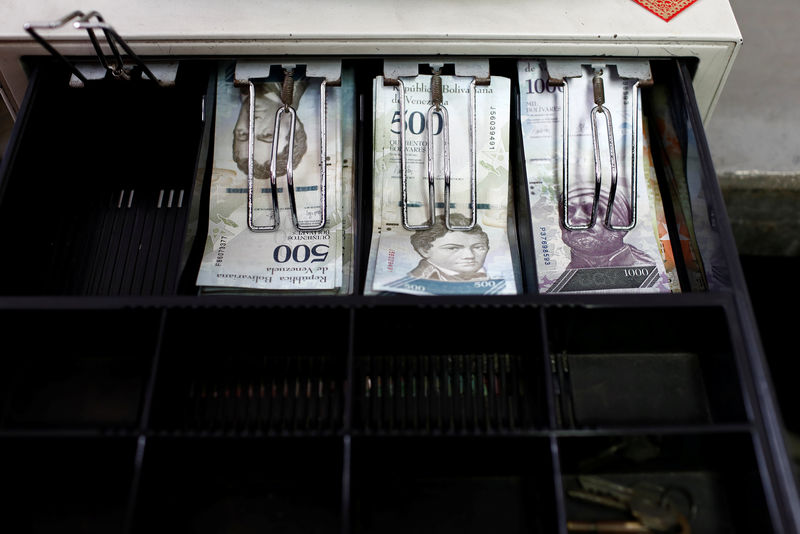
(221, 485)
(452, 485)
(88, 372)
(712, 479)
(237, 371)
(443, 370)
(634, 367)
(65, 484)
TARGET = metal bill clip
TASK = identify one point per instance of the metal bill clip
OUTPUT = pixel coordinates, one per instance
(248, 74)
(559, 72)
(117, 66)
(478, 71)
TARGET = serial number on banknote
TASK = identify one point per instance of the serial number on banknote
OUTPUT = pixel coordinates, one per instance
(545, 245)
(492, 127)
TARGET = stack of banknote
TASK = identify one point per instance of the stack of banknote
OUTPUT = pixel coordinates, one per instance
(237, 259)
(438, 261)
(597, 259)
(695, 220)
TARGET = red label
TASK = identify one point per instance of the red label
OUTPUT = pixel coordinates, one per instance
(666, 9)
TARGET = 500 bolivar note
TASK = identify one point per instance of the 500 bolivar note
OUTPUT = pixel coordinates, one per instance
(285, 259)
(438, 261)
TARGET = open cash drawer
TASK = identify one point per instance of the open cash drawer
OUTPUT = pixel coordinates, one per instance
(129, 402)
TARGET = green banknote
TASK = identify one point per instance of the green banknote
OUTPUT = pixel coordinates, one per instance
(597, 259)
(237, 259)
(438, 261)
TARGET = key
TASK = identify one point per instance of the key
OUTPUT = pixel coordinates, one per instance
(621, 526)
(643, 501)
(603, 492)
(606, 526)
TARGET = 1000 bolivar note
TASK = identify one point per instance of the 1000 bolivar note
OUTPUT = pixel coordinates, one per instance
(438, 261)
(597, 259)
(236, 258)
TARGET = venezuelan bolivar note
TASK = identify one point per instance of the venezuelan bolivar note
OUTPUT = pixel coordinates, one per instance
(659, 219)
(597, 259)
(697, 219)
(285, 259)
(438, 261)
(669, 148)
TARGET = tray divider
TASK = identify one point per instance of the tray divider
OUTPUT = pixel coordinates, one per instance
(558, 486)
(133, 492)
(147, 401)
(549, 392)
(346, 483)
(144, 419)
(347, 423)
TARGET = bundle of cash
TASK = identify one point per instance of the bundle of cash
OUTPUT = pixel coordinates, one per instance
(237, 259)
(696, 223)
(597, 259)
(660, 219)
(438, 261)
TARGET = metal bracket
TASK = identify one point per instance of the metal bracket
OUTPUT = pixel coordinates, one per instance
(476, 69)
(559, 71)
(165, 73)
(247, 70)
(248, 73)
(116, 66)
(393, 69)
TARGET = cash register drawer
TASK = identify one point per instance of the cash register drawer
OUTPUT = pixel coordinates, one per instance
(129, 402)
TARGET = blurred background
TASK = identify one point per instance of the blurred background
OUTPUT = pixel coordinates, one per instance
(754, 139)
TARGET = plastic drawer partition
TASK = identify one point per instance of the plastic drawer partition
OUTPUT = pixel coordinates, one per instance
(128, 402)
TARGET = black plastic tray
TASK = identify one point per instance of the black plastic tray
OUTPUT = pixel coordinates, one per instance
(130, 403)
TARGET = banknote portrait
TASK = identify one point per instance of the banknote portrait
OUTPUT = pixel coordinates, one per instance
(453, 256)
(598, 246)
(267, 103)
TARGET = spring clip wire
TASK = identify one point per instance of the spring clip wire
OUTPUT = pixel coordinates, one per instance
(287, 95)
(118, 68)
(84, 21)
(401, 88)
(438, 107)
(634, 167)
(599, 107)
